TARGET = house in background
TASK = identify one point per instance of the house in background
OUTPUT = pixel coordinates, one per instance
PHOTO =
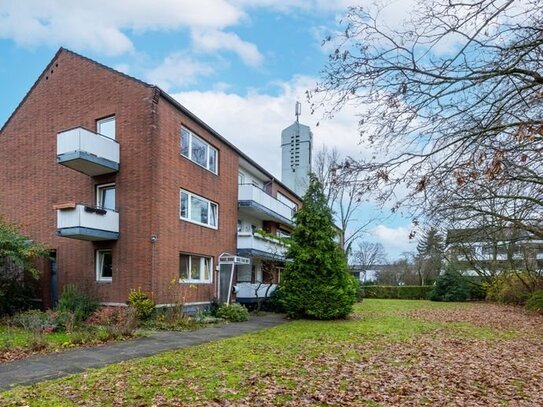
(492, 250)
(128, 189)
(364, 273)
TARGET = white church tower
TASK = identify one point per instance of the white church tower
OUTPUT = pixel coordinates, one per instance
(296, 146)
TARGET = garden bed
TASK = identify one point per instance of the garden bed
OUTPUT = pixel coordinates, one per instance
(18, 343)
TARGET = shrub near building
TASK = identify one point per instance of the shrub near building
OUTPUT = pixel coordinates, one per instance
(316, 283)
(17, 269)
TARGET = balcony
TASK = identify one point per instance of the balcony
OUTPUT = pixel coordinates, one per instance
(87, 152)
(84, 222)
(261, 205)
(255, 245)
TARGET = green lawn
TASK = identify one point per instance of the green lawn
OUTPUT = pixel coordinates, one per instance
(17, 343)
(390, 352)
(18, 337)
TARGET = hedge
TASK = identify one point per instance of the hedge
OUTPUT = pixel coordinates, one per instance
(405, 292)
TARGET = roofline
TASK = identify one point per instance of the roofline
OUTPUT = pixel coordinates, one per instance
(167, 97)
(23, 100)
(188, 113)
(61, 50)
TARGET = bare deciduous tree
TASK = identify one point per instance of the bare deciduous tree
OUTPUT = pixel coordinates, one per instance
(368, 254)
(451, 98)
(399, 272)
(341, 189)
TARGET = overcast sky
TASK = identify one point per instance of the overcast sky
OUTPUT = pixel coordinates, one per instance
(240, 65)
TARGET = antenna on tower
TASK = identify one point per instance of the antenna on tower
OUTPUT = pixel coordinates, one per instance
(298, 111)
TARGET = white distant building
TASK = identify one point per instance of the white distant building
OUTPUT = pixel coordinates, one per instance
(296, 146)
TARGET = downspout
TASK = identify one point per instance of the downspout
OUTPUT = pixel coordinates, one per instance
(153, 134)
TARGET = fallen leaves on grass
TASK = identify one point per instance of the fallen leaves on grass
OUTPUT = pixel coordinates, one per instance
(446, 363)
(438, 368)
(17, 353)
(495, 316)
(422, 371)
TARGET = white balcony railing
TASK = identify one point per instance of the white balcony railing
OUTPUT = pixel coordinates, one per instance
(249, 241)
(87, 152)
(87, 223)
(254, 291)
(490, 257)
(251, 193)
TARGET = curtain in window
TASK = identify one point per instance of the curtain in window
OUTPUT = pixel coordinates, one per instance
(199, 152)
(184, 267)
(198, 210)
(185, 136)
(213, 214)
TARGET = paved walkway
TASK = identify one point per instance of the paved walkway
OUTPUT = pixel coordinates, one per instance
(40, 368)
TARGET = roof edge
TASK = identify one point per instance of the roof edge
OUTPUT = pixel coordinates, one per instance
(188, 113)
(162, 93)
(60, 51)
(23, 100)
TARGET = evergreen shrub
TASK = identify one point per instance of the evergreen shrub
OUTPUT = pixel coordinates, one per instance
(233, 312)
(405, 292)
(316, 283)
(450, 286)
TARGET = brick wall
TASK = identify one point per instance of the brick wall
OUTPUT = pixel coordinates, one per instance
(172, 173)
(75, 92)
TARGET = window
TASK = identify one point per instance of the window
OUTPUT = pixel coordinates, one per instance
(197, 150)
(195, 269)
(244, 274)
(198, 210)
(106, 127)
(491, 250)
(105, 196)
(241, 178)
(104, 265)
(282, 198)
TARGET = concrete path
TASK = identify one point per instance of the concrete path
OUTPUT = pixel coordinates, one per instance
(40, 368)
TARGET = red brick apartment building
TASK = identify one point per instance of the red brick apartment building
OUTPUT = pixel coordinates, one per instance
(128, 189)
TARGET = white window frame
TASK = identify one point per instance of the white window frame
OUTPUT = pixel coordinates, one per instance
(202, 259)
(99, 189)
(189, 210)
(106, 120)
(209, 148)
(99, 259)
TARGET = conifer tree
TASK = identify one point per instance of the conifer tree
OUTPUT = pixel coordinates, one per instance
(430, 248)
(316, 282)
